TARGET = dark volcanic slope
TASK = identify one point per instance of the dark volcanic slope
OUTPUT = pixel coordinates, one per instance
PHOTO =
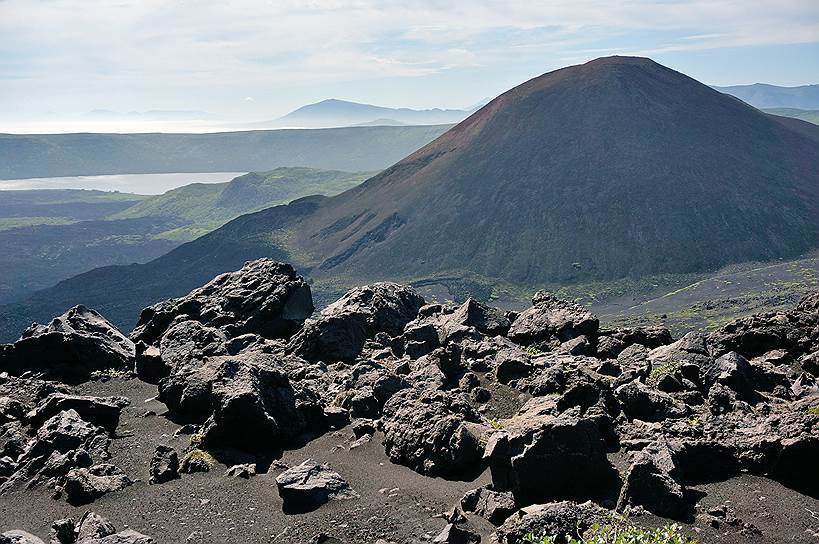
(619, 167)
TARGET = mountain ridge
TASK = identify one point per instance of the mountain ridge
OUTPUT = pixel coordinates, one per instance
(765, 95)
(333, 112)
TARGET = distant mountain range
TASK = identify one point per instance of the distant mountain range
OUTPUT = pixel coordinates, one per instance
(353, 149)
(341, 113)
(618, 168)
(811, 116)
(764, 96)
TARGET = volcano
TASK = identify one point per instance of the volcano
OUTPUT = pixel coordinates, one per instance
(617, 168)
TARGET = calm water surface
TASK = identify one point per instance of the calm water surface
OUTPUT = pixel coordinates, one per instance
(144, 184)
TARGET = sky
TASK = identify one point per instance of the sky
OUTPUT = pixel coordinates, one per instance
(254, 60)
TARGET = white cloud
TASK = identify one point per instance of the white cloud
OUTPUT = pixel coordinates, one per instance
(131, 48)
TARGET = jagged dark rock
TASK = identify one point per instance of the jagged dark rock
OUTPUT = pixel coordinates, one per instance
(85, 485)
(452, 534)
(164, 465)
(244, 401)
(309, 485)
(339, 333)
(544, 457)
(654, 481)
(492, 505)
(563, 519)
(101, 411)
(433, 432)
(70, 348)
(264, 297)
(552, 320)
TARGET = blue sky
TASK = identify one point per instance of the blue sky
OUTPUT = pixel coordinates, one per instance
(255, 60)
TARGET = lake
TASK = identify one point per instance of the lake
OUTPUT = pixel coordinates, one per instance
(144, 184)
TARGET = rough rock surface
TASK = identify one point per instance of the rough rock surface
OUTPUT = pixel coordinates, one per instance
(653, 481)
(69, 348)
(433, 432)
(243, 401)
(551, 319)
(341, 330)
(309, 485)
(559, 519)
(85, 485)
(164, 465)
(264, 297)
(545, 400)
(544, 457)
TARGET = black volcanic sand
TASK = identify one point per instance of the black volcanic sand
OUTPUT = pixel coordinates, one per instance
(396, 503)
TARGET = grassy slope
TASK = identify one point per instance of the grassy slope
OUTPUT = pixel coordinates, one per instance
(50, 235)
(205, 207)
(60, 206)
(811, 116)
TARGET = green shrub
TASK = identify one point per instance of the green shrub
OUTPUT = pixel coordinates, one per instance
(812, 410)
(534, 351)
(619, 531)
(665, 368)
(197, 461)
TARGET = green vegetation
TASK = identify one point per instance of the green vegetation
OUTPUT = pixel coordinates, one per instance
(619, 531)
(533, 351)
(98, 228)
(197, 461)
(196, 437)
(665, 368)
(207, 206)
(812, 410)
(495, 424)
(7, 223)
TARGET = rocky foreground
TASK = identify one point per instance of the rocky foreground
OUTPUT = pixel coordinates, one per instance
(535, 422)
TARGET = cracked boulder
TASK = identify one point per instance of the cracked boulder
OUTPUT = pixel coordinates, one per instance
(433, 432)
(63, 442)
(85, 485)
(342, 328)
(654, 481)
(245, 401)
(70, 348)
(309, 485)
(542, 457)
(264, 297)
(552, 320)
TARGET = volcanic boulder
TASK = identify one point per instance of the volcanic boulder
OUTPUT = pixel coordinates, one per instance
(69, 348)
(552, 320)
(164, 465)
(563, 519)
(545, 457)
(265, 297)
(654, 481)
(245, 401)
(433, 432)
(341, 330)
(309, 485)
(84, 485)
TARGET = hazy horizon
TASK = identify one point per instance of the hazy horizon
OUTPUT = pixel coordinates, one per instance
(256, 61)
